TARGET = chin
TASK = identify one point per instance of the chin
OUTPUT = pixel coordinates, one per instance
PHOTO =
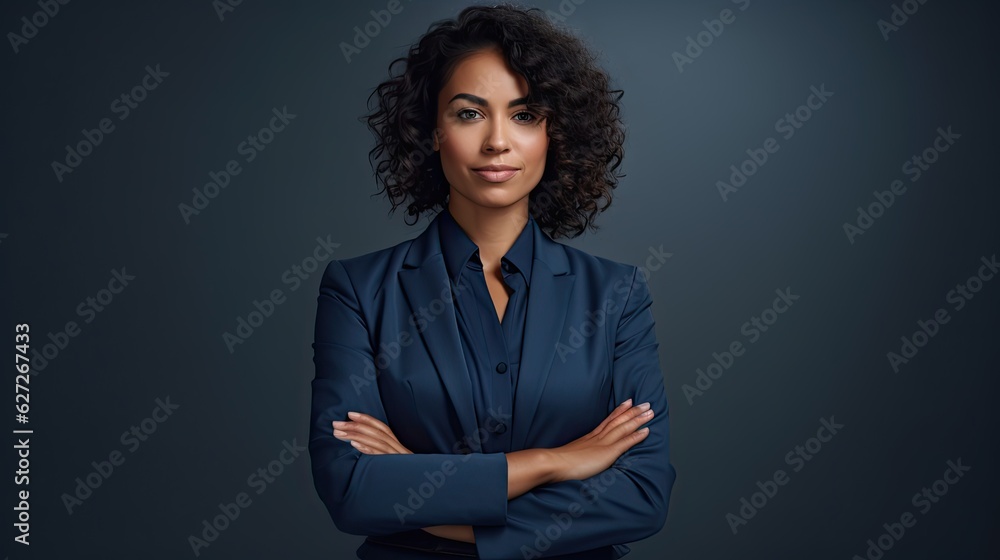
(494, 195)
(501, 201)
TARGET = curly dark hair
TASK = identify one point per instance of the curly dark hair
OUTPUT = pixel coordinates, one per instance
(565, 86)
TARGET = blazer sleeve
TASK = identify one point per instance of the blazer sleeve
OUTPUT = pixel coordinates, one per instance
(383, 494)
(628, 501)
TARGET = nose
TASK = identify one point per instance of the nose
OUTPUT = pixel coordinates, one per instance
(496, 140)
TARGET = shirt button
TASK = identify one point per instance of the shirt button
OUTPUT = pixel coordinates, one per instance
(501, 367)
(501, 428)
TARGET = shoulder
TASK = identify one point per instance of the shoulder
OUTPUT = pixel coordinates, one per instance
(366, 272)
(594, 266)
(624, 283)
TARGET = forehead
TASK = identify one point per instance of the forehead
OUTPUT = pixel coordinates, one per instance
(485, 74)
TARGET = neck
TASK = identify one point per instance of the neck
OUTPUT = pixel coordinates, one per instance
(493, 230)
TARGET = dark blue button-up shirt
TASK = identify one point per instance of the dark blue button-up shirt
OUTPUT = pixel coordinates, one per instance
(492, 348)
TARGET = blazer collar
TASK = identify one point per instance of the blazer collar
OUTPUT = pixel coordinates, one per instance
(458, 248)
(424, 278)
(428, 244)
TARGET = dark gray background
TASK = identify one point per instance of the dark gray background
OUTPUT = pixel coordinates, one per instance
(826, 356)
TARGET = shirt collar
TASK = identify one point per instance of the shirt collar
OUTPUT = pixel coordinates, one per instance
(457, 248)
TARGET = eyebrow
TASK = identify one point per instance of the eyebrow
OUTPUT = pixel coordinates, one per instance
(480, 101)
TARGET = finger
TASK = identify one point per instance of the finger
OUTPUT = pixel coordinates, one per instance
(620, 409)
(356, 431)
(393, 444)
(630, 440)
(365, 449)
(629, 425)
(370, 421)
(380, 447)
(359, 428)
(389, 437)
(399, 447)
(625, 417)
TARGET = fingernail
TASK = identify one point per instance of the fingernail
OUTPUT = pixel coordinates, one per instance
(644, 406)
(626, 402)
(338, 423)
(647, 413)
(355, 444)
(353, 414)
(339, 433)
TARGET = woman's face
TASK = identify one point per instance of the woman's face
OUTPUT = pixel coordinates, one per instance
(483, 121)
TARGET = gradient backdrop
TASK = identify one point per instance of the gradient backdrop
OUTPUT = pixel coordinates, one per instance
(882, 251)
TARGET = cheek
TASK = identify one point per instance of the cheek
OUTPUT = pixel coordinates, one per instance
(453, 165)
(457, 151)
(536, 153)
(535, 146)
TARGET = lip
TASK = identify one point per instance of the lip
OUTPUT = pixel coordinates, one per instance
(498, 167)
(496, 173)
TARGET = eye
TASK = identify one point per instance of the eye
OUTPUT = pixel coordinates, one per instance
(463, 111)
(532, 118)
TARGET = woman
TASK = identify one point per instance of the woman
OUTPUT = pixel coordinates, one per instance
(481, 389)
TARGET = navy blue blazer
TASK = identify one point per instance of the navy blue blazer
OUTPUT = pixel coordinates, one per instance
(387, 344)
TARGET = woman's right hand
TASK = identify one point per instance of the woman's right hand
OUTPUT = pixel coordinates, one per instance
(598, 450)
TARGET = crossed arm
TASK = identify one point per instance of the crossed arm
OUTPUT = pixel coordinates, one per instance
(612, 485)
(528, 468)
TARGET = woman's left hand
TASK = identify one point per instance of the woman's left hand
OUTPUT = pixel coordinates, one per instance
(368, 435)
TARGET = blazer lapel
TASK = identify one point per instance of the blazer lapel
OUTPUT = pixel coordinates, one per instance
(548, 303)
(424, 278)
